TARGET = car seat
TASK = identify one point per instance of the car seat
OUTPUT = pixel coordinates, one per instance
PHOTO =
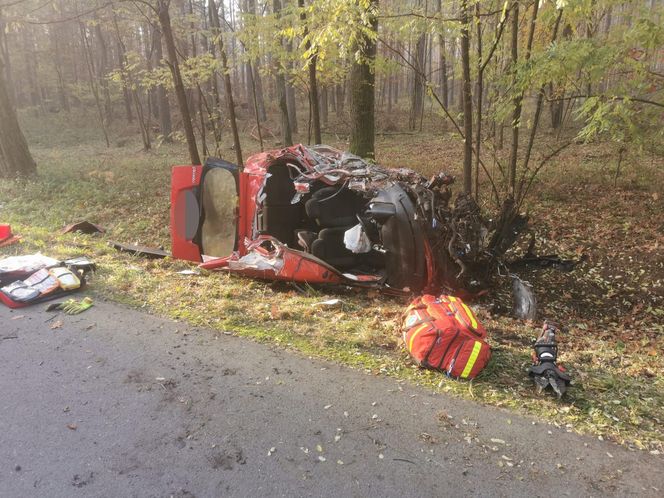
(329, 246)
(334, 207)
(335, 210)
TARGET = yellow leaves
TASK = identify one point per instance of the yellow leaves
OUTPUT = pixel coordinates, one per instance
(289, 32)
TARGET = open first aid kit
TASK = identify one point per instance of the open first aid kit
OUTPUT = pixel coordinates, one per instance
(36, 278)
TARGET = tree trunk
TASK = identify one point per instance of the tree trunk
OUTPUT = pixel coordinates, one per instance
(340, 99)
(163, 105)
(324, 104)
(55, 34)
(258, 83)
(518, 100)
(93, 84)
(253, 76)
(250, 73)
(214, 23)
(467, 102)
(479, 89)
(516, 113)
(4, 56)
(15, 158)
(126, 95)
(102, 70)
(122, 61)
(362, 88)
(442, 59)
(165, 21)
(290, 93)
(313, 84)
(31, 70)
(556, 108)
(390, 79)
(417, 96)
(282, 101)
(443, 72)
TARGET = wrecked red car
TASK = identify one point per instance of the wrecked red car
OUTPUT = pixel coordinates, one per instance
(319, 215)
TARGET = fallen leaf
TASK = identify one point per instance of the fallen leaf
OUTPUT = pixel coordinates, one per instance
(57, 324)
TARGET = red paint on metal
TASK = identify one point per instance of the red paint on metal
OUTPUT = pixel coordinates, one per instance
(183, 179)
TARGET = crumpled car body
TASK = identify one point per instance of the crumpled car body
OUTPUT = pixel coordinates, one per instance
(312, 215)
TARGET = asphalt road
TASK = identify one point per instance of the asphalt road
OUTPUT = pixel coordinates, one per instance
(115, 402)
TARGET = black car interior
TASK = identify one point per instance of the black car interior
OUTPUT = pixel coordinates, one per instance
(317, 222)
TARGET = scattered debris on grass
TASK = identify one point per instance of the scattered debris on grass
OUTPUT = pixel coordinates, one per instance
(613, 302)
(83, 227)
(7, 238)
(138, 250)
(34, 278)
(545, 371)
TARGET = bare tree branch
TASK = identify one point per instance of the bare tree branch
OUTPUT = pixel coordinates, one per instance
(608, 97)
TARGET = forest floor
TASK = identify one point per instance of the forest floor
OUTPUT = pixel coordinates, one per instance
(611, 305)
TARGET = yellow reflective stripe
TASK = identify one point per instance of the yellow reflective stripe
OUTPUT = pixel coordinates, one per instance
(470, 315)
(417, 331)
(472, 359)
(453, 309)
(460, 319)
(473, 320)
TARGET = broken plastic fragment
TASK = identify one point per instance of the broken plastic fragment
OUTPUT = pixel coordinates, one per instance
(257, 261)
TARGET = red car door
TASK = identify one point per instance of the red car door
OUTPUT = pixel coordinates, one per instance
(204, 210)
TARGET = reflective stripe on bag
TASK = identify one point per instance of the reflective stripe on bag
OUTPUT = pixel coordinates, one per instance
(471, 360)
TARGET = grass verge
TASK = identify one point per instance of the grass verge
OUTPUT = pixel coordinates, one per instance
(611, 305)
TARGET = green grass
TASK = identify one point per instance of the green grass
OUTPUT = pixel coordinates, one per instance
(613, 349)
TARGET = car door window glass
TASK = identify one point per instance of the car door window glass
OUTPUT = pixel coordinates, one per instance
(218, 233)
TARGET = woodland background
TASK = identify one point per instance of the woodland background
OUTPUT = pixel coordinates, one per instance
(553, 107)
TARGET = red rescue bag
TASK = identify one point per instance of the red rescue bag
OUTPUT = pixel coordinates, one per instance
(442, 333)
